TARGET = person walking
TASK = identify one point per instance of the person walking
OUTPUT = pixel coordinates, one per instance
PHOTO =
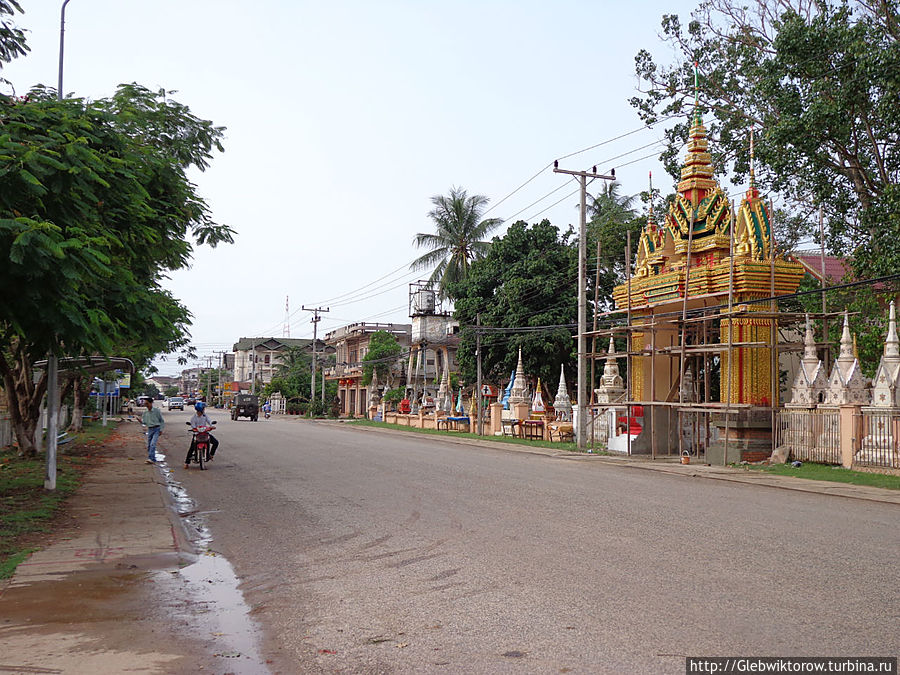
(153, 420)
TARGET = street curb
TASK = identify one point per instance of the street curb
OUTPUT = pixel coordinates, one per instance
(829, 488)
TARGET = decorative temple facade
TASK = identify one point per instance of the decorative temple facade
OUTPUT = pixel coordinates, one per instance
(692, 262)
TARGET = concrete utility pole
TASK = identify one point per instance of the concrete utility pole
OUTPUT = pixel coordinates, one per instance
(253, 366)
(480, 426)
(315, 322)
(221, 366)
(582, 302)
(52, 362)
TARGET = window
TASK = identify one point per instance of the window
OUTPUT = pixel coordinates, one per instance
(268, 356)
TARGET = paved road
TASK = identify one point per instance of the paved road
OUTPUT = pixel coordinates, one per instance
(366, 552)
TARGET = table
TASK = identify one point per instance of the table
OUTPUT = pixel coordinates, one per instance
(564, 431)
(453, 423)
(509, 427)
(532, 429)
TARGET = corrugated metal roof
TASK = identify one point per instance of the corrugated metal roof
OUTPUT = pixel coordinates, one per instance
(836, 267)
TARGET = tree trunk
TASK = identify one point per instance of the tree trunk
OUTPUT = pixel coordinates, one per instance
(24, 396)
(79, 401)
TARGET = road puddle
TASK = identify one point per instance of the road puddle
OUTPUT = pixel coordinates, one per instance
(215, 606)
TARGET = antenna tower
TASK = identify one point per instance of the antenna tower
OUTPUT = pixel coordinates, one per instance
(286, 331)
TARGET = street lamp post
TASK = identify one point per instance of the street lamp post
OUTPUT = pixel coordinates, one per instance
(52, 363)
(62, 39)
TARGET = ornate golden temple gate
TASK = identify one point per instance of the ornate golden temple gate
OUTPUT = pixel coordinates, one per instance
(703, 292)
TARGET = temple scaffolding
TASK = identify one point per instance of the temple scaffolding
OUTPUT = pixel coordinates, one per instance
(705, 341)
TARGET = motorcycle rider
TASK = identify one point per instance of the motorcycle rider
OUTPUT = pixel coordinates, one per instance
(200, 419)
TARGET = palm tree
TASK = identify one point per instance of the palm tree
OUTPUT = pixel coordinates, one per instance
(458, 239)
(609, 206)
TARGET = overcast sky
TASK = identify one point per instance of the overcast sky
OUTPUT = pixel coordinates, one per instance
(344, 119)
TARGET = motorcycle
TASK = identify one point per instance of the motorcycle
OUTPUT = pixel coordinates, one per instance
(200, 443)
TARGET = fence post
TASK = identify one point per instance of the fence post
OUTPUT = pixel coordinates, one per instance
(848, 435)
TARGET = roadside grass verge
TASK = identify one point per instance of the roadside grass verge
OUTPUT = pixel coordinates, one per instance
(27, 510)
(835, 474)
(561, 446)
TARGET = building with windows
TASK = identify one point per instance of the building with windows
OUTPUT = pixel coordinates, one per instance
(260, 357)
(351, 344)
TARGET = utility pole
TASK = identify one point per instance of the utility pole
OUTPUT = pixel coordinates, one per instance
(582, 302)
(209, 379)
(221, 368)
(480, 426)
(315, 322)
(52, 362)
(253, 366)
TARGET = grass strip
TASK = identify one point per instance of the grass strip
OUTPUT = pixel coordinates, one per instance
(561, 446)
(835, 474)
(27, 510)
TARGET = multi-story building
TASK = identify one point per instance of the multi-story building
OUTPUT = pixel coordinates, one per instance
(435, 339)
(351, 344)
(262, 356)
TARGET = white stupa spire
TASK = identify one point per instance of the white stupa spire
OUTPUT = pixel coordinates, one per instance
(809, 344)
(846, 354)
(562, 404)
(892, 343)
(518, 393)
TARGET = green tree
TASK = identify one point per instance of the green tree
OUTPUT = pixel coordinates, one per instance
(381, 358)
(818, 80)
(526, 281)
(610, 216)
(12, 38)
(95, 207)
(458, 238)
(170, 391)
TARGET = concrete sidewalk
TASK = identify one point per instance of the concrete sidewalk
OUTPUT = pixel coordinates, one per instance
(672, 466)
(109, 593)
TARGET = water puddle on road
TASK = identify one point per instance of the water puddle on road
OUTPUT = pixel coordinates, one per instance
(216, 606)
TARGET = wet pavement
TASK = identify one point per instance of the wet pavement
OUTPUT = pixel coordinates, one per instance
(672, 465)
(135, 582)
(132, 584)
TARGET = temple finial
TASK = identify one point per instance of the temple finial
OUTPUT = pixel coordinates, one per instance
(892, 343)
(846, 341)
(809, 344)
(751, 191)
(697, 119)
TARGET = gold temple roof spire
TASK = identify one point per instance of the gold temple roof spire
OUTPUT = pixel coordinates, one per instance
(697, 174)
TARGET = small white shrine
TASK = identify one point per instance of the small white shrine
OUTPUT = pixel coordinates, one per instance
(538, 406)
(519, 392)
(846, 384)
(810, 383)
(612, 386)
(562, 404)
(444, 395)
(886, 385)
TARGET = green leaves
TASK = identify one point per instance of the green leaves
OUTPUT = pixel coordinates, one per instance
(820, 83)
(527, 279)
(380, 356)
(457, 241)
(95, 207)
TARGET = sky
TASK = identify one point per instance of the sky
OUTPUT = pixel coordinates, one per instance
(344, 118)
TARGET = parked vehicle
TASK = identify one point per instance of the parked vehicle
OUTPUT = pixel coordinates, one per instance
(245, 405)
(176, 403)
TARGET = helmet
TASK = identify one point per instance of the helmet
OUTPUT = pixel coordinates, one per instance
(199, 406)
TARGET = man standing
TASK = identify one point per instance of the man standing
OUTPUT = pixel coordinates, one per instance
(153, 420)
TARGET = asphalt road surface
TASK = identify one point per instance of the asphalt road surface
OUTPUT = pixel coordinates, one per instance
(367, 552)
